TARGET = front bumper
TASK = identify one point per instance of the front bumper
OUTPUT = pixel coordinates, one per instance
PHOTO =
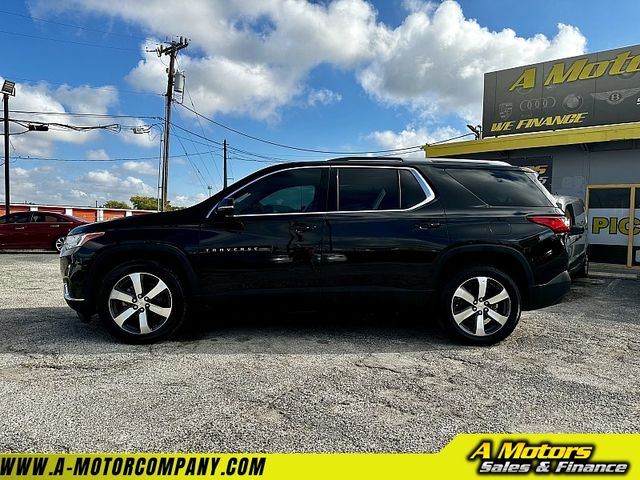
(549, 293)
(73, 272)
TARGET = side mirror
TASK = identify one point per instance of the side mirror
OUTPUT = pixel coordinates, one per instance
(226, 207)
(576, 230)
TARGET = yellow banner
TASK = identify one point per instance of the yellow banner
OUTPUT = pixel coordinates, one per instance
(467, 456)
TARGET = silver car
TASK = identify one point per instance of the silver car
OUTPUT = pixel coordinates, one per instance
(576, 241)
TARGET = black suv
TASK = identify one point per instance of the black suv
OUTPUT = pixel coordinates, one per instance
(473, 242)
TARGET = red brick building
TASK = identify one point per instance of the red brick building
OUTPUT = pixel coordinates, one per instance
(89, 214)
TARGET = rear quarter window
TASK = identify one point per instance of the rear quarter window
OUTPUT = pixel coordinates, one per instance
(502, 188)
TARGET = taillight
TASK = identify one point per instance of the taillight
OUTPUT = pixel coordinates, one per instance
(557, 224)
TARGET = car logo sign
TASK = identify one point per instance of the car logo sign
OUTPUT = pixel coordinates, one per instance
(505, 110)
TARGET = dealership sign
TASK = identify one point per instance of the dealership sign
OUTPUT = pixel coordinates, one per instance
(597, 89)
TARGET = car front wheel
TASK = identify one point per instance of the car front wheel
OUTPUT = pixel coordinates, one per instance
(141, 302)
(58, 243)
(480, 305)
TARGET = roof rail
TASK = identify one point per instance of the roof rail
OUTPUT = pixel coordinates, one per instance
(469, 160)
(366, 159)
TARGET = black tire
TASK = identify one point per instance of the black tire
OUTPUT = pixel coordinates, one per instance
(460, 316)
(148, 319)
(57, 243)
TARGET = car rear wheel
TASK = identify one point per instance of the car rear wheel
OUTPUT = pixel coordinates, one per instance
(480, 305)
(142, 302)
(58, 243)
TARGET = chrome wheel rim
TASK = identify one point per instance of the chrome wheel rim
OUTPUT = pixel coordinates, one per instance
(481, 306)
(140, 303)
(59, 243)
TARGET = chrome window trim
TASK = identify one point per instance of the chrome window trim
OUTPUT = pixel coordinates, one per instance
(426, 188)
(260, 178)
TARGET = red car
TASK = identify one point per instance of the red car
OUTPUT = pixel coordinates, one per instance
(36, 229)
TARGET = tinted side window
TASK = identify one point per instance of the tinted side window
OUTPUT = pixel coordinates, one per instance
(46, 217)
(17, 218)
(501, 187)
(289, 191)
(411, 193)
(368, 189)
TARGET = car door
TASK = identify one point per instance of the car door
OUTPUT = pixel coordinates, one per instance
(43, 229)
(13, 230)
(383, 231)
(272, 242)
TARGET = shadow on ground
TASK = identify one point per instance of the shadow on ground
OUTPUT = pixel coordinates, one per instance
(57, 330)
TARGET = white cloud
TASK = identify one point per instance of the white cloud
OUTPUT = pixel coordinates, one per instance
(141, 168)
(187, 200)
(412, 136)
(323, 97)
(48, 185)
(99, 154)
(253, 58)
(247, 58)
(102, 178)
(435, 60)
(78, 194)
(86, 99)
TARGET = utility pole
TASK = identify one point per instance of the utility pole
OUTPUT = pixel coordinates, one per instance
(171, 50)
(225, 163)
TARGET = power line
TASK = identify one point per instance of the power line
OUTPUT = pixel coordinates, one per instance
(93, 115)
(106, 87)
(114, 127)
(258, 156)
(290, 147)
(84, 44)
(244, 159)
(452, 138)
(202, 129)
(53, 22)
(125, 159)
(200, 178)
(397, 151)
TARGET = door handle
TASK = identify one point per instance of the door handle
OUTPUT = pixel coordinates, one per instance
(20, 228)
(427, 225)
(55, 226)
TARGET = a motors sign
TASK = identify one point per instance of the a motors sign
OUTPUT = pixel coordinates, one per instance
(596, 89)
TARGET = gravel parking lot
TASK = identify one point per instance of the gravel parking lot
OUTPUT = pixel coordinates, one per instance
(304, 384)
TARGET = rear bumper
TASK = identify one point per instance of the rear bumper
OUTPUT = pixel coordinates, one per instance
(549, 293)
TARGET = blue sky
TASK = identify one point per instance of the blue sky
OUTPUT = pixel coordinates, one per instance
(344, 75)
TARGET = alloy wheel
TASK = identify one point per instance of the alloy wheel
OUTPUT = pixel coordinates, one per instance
(140, 303)
(59, 243)
(481, 306)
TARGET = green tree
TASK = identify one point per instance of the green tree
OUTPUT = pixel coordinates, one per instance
(115, 204)
(140, 202)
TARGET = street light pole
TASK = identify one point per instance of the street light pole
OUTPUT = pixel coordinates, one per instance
(7, 201)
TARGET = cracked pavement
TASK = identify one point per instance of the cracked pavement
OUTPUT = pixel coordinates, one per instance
(269, 383)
